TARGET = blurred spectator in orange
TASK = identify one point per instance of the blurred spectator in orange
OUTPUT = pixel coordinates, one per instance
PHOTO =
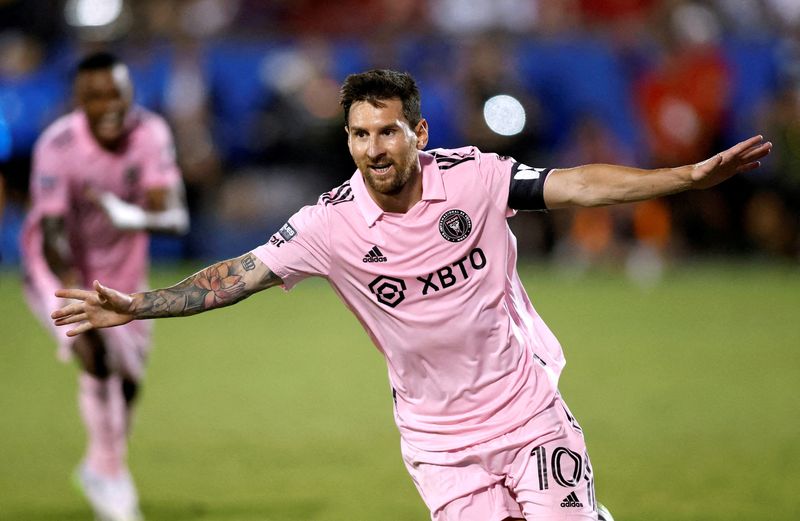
(683, 99)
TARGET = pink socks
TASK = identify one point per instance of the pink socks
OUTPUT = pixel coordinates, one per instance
(105, 416)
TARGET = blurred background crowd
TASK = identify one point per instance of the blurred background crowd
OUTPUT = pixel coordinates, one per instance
(250, 88)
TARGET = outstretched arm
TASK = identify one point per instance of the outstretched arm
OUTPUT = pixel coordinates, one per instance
(599, 185)
(216, 286)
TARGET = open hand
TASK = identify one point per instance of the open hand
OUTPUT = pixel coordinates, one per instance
(103, 307)
(740, 158)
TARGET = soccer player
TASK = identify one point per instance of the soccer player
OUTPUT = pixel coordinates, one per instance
(103, 176)
(417, 246)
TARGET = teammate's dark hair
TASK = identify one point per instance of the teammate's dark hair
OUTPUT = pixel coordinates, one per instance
(97, 61)
(379, 85)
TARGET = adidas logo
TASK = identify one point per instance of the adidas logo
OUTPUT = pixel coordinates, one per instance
(374, 255)
(571, 501)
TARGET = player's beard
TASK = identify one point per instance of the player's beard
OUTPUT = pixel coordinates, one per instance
(394, 182)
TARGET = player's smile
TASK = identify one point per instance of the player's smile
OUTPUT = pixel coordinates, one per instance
(381, 169)
(110, 125)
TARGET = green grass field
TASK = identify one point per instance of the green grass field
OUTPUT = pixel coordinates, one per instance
(279, 408)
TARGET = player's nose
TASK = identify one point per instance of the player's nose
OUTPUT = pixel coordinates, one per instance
(375, 148)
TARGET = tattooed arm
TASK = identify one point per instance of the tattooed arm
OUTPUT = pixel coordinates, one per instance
(216, 286)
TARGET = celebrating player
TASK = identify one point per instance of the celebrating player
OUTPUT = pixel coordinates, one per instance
(416, 244)
(103, 176)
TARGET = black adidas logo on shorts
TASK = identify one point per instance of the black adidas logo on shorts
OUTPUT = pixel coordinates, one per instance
(571, 501)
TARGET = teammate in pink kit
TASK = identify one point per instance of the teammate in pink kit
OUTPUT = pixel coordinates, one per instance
(417, 246)
(103, 176)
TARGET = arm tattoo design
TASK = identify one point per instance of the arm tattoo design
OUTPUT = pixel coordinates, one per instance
(248, 263)
(216, 286)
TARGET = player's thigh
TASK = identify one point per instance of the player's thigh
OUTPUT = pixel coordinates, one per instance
(494, 503)
(90, 352)
(455, 487)
(122, 350)
(554, 477)
(128, 348)
(88, 349)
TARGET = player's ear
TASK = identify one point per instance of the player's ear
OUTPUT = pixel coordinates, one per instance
(421, 130)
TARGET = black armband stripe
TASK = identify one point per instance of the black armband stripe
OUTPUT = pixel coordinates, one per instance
(527, 187)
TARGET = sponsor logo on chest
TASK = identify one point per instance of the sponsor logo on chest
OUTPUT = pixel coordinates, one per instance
(391, 291)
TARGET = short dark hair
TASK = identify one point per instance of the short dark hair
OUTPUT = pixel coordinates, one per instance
(97, 61)
(382, 84)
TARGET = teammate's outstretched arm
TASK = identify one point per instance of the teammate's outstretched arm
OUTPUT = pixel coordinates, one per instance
(216, 286)
(598, 184)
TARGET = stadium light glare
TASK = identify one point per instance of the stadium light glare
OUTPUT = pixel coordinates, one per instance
(504, 115)
(92, 13)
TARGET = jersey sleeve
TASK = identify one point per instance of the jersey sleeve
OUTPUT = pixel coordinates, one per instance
(300, 248)
(511, 184)
(49, 183)
(159, 167)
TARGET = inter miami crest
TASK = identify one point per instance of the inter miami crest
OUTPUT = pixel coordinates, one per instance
(455, 225)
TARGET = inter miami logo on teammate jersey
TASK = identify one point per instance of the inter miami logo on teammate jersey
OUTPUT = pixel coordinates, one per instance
(48, 183)
(132, 174)
(455, 225)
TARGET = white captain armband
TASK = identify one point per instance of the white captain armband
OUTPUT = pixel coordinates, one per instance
(527, 187)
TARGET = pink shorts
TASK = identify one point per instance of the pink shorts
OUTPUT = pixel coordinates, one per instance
(539, 471)
(127, 346)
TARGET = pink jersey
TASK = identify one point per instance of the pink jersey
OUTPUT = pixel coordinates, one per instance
(437, 290)
(68, 167)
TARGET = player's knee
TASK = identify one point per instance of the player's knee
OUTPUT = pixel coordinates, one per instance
(130, 390)
(91, 354)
